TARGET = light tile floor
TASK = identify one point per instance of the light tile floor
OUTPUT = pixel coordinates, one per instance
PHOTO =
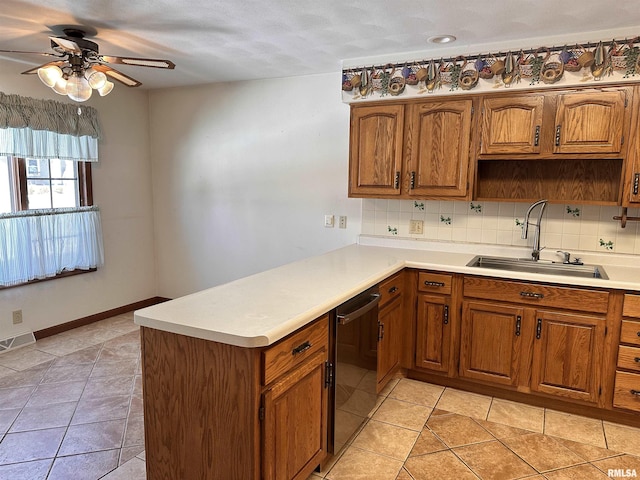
(71, 408)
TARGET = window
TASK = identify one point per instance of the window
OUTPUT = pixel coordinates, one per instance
(29, 184)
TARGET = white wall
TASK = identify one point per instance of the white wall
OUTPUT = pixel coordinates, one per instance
(122, 190)
(243, 174)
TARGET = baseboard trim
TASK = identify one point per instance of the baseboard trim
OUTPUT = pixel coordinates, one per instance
(96, 317)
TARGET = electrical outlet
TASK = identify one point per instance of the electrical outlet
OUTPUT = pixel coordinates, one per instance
(17, 317)
(416, 227)
(342, 222)
(328, 221)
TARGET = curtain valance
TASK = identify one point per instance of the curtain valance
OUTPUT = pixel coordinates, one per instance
(35, 128)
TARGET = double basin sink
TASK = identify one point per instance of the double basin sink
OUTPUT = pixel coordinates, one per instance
(540, 266)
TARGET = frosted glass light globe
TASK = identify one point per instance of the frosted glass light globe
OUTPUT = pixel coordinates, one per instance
(61, 86)
(78, 89)
(95, 78)
(50, 75)
(106, 89)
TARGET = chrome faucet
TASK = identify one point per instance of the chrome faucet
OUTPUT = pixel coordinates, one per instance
(535, 254)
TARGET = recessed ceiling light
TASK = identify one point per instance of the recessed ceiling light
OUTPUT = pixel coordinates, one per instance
(441, 39)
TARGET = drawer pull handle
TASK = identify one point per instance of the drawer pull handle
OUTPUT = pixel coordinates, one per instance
(393, 289)
(441, 284)
(446, 315)
(539, 329)
(531, 295)
(638, 334)
(637, 359)
(303, 347)
(635, 392)
(518, 325)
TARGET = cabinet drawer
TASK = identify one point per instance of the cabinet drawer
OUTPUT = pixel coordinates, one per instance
(630, 333)
(627, 391)
(295, 349)
(391, 288)
(537, 294)
(434, 282)
(629, 358)
(631, 306)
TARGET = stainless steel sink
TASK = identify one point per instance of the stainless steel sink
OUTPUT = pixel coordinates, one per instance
(541, 266)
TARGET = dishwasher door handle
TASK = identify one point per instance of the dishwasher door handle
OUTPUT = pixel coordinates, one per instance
(344, 318)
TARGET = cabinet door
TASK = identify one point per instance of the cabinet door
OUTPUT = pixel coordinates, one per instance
(439, 136)
(375, 157)
(590, 122)
(490, 346)
(389, 340)
(567, 355)
(433, 336)
(295, 422)
(511, 125)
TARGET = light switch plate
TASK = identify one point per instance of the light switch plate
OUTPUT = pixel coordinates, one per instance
(416, 227)
(328, 221)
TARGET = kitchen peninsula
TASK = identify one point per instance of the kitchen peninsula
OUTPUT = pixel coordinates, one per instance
(218, 364)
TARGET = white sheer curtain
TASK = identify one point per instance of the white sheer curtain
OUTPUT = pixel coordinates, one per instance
(37, 244)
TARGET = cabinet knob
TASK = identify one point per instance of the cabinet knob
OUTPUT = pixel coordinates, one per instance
(393, 289)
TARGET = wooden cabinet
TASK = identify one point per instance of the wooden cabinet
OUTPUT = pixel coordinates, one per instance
(631, 193)
(584, 122)
(512, 336)
(390, 322)
(416, 150)
(294, 441)
(567, 353)
(627, 383)
(219, 411)
(376, 150)
(435, 318)
(491, 344)
(439, 139)
(511, 124)
(582, 131)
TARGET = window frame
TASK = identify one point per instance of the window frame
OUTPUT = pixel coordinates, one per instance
(20, 191)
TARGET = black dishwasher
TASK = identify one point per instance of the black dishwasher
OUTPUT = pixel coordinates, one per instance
(355, 359)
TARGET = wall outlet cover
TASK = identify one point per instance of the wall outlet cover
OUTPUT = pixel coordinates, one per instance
(416, 227)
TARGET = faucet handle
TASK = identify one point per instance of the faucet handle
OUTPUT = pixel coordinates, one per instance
(566, 256)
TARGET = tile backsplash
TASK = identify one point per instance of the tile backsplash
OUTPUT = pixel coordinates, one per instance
(564, 226)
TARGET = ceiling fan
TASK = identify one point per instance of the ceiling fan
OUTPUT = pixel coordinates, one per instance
(79, 68)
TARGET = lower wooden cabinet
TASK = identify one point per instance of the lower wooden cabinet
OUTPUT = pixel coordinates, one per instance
(567, 355)
(390, 322)
(517, 343)
(294, 441)
(491, 346)
(433, 332)
(626, 393)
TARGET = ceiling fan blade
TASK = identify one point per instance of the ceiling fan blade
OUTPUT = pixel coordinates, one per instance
(45, 54)
(138, 62)
(116, 75)
(35, 69)
(67, 45)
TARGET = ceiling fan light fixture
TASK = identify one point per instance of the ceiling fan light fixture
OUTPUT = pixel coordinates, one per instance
(50, 75)
(78, 88)
(60, 86)
(95, 78)
(105, 89)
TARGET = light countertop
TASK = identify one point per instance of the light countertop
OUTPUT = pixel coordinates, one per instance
(260, 309)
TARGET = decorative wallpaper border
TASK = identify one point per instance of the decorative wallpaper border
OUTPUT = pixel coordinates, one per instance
(614, 61)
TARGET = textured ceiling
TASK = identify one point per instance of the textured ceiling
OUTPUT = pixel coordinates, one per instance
(227, 40)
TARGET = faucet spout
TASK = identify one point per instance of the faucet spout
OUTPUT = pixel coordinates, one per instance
(535, 254)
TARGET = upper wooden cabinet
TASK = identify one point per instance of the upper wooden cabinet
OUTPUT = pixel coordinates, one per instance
(438, 138)
(584, 123)
(375, 160)
(511, 124)
(418, 150)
